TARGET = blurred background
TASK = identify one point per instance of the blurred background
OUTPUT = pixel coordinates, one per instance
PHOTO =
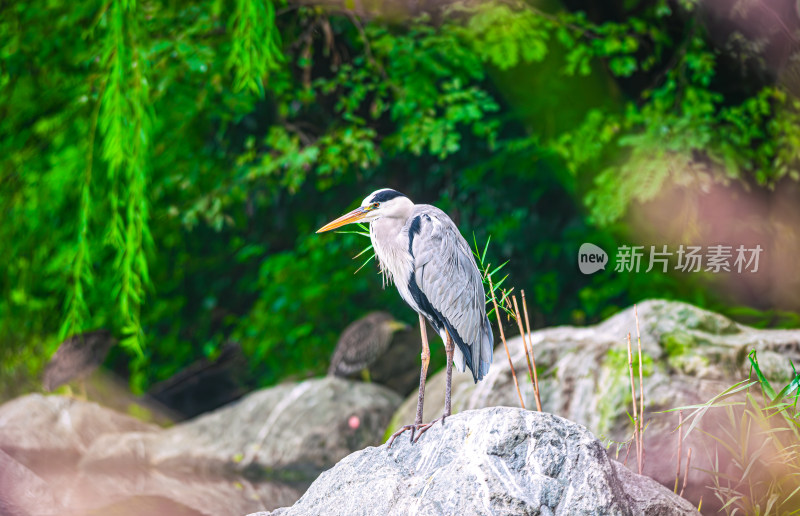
(166, 163)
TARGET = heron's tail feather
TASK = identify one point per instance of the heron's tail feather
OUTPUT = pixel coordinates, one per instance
(486, 350)
(459, 360)
(475, 355)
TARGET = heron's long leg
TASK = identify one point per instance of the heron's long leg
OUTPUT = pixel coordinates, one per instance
(449, 349)
(423, 375)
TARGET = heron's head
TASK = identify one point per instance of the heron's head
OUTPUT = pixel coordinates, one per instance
(380, 203)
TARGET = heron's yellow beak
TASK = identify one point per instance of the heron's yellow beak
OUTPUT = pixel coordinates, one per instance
(354, 216)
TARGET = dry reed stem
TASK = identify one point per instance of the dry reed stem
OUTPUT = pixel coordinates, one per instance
(686, 471)
(518, 318)
(635, 412)
(527, 355)
(641, 390)
(533, 358)
(680, 451)
(506, 299)
(625, 462)
(503, 338)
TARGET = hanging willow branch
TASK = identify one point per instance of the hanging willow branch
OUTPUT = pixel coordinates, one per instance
(256, 44)
(77, 312)
(126, 123)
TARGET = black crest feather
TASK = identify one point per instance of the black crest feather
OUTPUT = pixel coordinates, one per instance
(386, 195)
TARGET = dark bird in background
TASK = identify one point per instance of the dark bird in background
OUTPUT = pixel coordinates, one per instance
(362, 343)
(77, 357)
(420, 249)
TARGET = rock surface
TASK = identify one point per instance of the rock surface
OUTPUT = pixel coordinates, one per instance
(22, 492)
(258, 453)
(303, 427)
(154, 493)
(689, 354)
(492, 461)
(54, 431)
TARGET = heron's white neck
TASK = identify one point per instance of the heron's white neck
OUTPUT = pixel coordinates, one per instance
(389, 235)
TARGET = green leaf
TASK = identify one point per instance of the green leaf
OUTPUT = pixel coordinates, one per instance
(765, 385)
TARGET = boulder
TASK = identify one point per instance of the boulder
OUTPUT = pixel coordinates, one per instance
(286, 432)
(151, 492)
(492, 461)
(50, 433)
(23, 493)
(689, 356)
(135, 492)
(259, 453)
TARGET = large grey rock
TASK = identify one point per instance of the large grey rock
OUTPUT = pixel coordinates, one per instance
(292, 429)
(23, 493)
(492, 461)
(258, 453)
(48, 433)
(154, 493)
(134, 492)
(690, 355)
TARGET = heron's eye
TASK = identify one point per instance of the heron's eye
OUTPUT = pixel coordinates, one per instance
(374, 205)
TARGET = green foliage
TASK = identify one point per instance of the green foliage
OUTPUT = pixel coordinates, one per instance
(126, 125)
(617, 360)
(256, 44)
(165, 164)
(756, 444)
(682, 117)
(492, 283)
(615, 389)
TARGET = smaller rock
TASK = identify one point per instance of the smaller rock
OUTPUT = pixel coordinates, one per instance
(299, 429)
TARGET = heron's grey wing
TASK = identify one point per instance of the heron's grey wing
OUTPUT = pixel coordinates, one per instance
(446, 273)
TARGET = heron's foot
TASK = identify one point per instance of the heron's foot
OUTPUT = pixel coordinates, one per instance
(424, 428)
(416, 430)
(413, 428)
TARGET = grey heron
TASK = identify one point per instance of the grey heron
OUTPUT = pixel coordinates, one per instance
(420, 249)
(77, 357)
(363, 342)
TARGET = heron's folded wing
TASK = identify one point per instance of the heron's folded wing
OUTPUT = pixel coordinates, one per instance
(446, 273)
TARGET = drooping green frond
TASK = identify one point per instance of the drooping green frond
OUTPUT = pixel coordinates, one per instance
(77, 311)
(255, 44)
(126, 124)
